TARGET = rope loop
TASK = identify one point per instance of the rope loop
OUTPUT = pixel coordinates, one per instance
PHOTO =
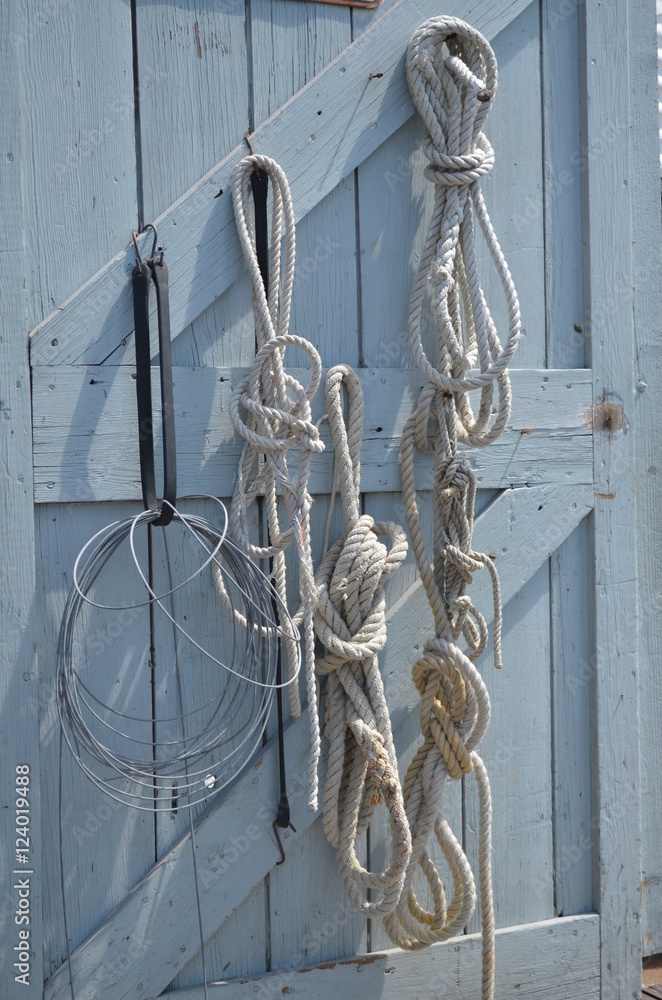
(270, 410)
(350, 622)
(452, 76)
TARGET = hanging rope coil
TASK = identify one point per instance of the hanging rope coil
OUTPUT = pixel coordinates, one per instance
(452, 76)
(277, 418)
(350, 622)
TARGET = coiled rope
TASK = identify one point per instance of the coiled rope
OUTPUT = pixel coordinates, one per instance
(277, 419)
(350, 622)
(452, 76)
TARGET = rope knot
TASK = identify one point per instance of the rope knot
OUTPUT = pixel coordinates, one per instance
(350, 622)
(462, 169)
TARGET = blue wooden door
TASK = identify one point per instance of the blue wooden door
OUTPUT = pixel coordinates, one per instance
(139, 112)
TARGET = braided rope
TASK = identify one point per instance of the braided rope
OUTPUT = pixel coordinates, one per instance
(277, 419)
(350, 622)
(452, 77)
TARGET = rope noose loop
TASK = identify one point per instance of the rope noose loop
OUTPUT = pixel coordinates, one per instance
(350, 622)
(277, 419)
(452, 77)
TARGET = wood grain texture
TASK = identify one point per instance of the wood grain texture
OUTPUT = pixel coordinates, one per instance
(361, 113)
(570, 577)
(572, 673)
(240, 821)
(80, 187)
(564, 176)
(616, 692)
(106, 847)
(530, 963)
(19, 680)
(516, 132)
(184, 130)
(204, 48)
(84, 423)
(646, 274)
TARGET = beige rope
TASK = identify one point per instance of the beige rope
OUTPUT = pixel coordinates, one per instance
(350, 622)
(452, 76)
(277, 419)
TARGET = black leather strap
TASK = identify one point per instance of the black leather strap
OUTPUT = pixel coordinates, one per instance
(260, 185)
(144, 273)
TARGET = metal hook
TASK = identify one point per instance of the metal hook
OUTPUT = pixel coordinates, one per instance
(134, 239)
(247, 140)
(278, 840)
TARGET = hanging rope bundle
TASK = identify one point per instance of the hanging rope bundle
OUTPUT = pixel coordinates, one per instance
(452, 77)
(350, 622)
(277, 419)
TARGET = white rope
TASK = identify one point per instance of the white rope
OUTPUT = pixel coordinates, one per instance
(452, 77)
(350, 622)
(277, 419)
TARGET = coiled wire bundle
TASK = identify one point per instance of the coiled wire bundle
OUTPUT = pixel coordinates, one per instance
(199, 750)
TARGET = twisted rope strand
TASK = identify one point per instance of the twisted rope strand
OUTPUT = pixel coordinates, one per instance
(277, 419)
(452, 76)
(350, 622)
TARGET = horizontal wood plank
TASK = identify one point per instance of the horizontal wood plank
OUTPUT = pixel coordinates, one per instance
(319, 137)
(85, 438)
(235, 845)
(531, 961)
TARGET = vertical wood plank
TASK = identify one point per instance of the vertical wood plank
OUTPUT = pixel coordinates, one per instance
(515, 130)
(609, 286)
(19, 732)
(106, 847)
(570, 579)
(518, 755)
(185, 129)
(571, 688)
(290, 44)
(647, 269)
(80, 190)
(564, 178)
(194, 108)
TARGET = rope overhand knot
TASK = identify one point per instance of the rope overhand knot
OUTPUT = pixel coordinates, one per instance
(350, 622)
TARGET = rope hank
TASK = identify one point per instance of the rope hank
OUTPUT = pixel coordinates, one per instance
(350, 622)
(452, 77)
(277, 419)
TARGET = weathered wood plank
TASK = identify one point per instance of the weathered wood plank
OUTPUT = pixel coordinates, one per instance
(79, 192)
(106, 847)
(515, 130)
(616, 695)
(84, 424)
(572, 673)
(240, 822)
(19, 680)
(203, 49)
(646, 279)
(531, 961)
(570, 577)
(316, 151)
(561, 204)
